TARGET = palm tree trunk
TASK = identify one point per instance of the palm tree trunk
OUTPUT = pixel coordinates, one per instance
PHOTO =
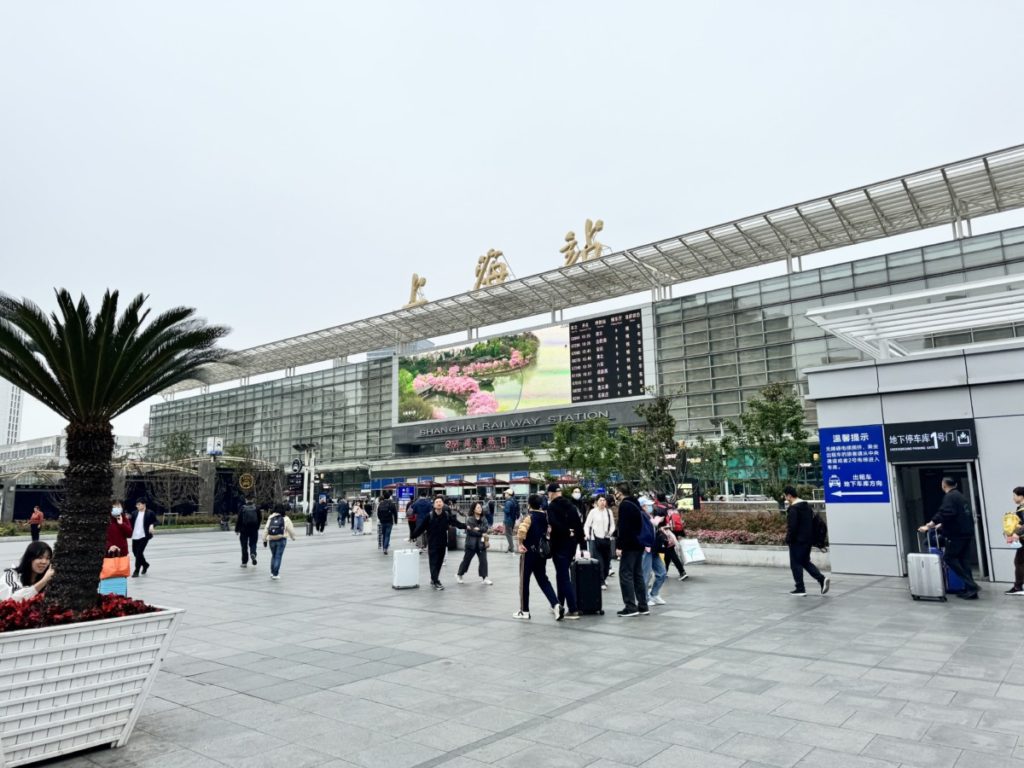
(81, 540)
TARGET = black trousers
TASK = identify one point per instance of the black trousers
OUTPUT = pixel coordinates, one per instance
(139, 549)
(956, 557)
(248, 539)
(800, 561)
(35, 532)
(672, 558)
(435, 555)
(467, 558)
(602, 550)
(563, 583)
(532, 566)
(631, 580)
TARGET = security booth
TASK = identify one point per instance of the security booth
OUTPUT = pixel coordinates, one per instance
(892, 427)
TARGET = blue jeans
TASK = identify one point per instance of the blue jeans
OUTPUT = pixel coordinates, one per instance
(357, 524)
(276, 553)
(652, 562)
(385, 535)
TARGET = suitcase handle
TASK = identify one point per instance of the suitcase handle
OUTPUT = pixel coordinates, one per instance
(923, 547)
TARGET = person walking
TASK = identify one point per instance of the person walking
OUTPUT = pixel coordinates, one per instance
(1014, 538)
(652, 562)
(343, 511)
(800, 538)
(247, 526)
(491, 505)
(599, 529)
(476, 544)
(957, 526)
(119, 530)
(387, 516)
(35, 522)
(435, 526)
(358, 517)
(510, 519)
(533, 548)
(276, 533)
(320, 512)
(566, 537)
(630, 552)
(418, 511)
(143, 526)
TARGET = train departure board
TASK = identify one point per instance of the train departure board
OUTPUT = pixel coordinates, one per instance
(606, 357)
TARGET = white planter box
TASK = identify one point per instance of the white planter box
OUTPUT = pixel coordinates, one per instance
(76, 686)
(757, 555)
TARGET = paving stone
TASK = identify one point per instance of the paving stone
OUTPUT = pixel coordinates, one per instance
(911, 753)
(776, 752)
(973, 739)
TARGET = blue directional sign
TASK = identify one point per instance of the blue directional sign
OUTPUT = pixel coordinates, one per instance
(853, 465)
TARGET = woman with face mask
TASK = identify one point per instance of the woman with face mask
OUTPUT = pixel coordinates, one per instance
(119, 531)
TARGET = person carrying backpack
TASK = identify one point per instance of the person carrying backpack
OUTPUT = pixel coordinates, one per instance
(800, 539)
(276, 533)
(247, 526)
(387, 516)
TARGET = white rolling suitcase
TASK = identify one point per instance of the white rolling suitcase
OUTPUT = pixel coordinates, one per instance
(926, 576)
(405, 569)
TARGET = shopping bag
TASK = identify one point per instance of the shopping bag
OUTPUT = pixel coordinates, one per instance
(115, 567)
(117, 585)
(692, 553)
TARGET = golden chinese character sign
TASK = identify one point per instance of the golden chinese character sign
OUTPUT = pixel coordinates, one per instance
(591, 248)
(491, 269)
(416, 297)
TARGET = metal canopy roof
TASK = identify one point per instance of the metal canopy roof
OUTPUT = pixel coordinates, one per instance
(948, 194)
(882, 327)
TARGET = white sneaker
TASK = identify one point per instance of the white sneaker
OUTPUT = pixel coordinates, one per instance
(657, 601)
(276, 578)
(604, 586)
(521, 615)
(488, 582)
(459, 579)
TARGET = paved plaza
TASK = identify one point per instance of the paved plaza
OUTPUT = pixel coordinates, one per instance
(330, 667)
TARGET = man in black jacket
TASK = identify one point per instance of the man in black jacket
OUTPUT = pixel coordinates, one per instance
(566, 536)
(800, 538)
(957, 525)
(631, 554)
(247, 526)
(419, 510)
(143, 525)
(436, 525)
(387, 516)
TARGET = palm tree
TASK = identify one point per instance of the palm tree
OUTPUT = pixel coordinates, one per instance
(89, 370)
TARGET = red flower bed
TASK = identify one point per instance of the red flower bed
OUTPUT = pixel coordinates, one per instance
(35, 613)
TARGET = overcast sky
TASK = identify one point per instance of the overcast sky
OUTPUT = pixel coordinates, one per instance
(286, 166)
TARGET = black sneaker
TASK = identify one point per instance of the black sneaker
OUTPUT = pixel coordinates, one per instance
(254, 561)
(1014, 591)
(684, 576)
(968, 595)
(627, 613)
(799, 592)
(825, 584)
(245, 565)
(572, 615)
(439, 587)
(561, 613)
(644, 610)
(145, 569)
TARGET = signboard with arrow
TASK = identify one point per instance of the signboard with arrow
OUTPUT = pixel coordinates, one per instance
(853, 465)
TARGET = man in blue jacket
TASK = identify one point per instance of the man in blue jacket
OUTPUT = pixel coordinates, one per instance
(511, 510)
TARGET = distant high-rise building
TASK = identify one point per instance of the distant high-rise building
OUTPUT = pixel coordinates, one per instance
(11, 401)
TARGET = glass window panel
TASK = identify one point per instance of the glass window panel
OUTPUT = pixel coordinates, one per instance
(941, 250)
(837, 285)
(980, 243)
(866, 266)
(988, 256)
(747, 289)
(775, 297)
(805, 291)
(836, 270)
(948, 264)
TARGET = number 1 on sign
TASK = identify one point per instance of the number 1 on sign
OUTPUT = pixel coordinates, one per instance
(935, 440)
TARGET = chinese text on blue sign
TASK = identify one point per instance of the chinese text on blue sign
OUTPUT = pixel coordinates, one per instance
(853, 465)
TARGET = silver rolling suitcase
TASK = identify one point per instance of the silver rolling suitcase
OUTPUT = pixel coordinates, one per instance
(925, 572)
(405, 564)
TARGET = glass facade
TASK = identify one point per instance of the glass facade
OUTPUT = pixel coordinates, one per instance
(719, 348)
(345, 410)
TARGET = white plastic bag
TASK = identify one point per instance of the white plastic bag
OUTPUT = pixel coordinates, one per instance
(692, 553)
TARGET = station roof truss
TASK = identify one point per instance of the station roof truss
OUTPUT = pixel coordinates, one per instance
(949, 194)
(883, 327)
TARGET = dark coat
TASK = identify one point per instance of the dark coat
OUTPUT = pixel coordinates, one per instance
(566, 525)
(387, 512)
(148, 520)
(475, 530)
(799, 524)
(630, 524)
(436, 527)
(954, 517)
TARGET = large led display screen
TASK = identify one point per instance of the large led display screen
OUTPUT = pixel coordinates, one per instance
(557, 366)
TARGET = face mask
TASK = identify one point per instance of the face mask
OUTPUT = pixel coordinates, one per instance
(577, 495)
(115, 511)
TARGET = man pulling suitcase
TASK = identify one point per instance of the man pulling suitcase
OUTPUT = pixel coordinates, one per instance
(957, 525)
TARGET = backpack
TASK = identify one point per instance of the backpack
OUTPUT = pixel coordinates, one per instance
(1011, 522)
(819, 532)
(646, 537)
(275, 526)
(250, 516)
(675, 521)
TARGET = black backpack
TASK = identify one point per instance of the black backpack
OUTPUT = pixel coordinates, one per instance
(819, 532)
(275, 526)
(250, 516)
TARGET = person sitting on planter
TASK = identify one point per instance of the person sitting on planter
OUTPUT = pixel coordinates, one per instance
(30, 576)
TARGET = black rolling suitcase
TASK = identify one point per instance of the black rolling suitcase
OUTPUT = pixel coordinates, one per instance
(586, 582)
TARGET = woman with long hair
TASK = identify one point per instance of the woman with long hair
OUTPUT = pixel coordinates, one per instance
(476, 533)
(30, 576)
